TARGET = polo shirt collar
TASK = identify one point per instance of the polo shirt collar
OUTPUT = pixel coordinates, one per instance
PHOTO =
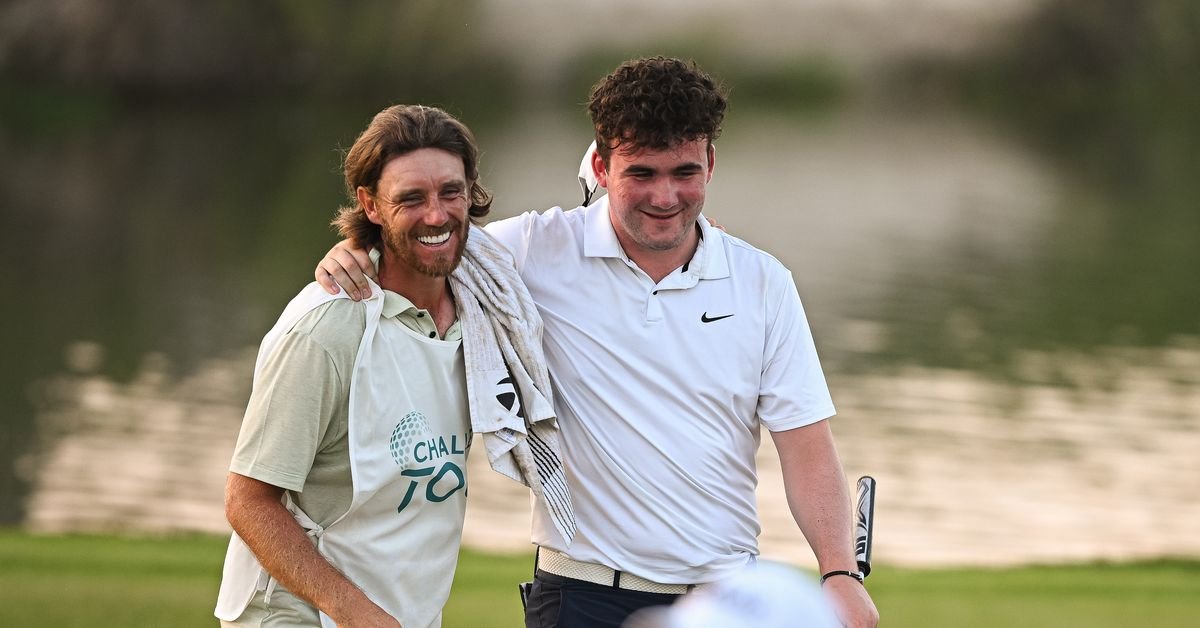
(710, 260)
(395, 304)
(600, 240)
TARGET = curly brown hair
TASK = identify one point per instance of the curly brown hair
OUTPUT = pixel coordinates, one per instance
(654, 103)
(397, 130)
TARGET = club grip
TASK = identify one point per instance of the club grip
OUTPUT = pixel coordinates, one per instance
(864, 524)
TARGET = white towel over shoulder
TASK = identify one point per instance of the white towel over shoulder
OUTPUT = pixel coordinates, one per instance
(508, 386)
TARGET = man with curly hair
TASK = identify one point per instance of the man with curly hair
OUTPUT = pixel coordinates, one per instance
(669, 344)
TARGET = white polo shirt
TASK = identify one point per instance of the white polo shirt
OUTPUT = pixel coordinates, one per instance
(660, 389)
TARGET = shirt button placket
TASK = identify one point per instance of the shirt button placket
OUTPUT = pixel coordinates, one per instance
(654, 311)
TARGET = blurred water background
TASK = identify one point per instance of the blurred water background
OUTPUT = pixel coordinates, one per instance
(992, 210)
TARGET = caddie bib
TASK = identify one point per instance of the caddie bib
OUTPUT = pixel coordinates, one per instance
(409, 432)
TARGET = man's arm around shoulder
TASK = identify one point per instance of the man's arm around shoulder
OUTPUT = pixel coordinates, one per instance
(258, 516)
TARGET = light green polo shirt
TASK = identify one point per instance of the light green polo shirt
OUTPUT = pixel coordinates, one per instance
(295, 431)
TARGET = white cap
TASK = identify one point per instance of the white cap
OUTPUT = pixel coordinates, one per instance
(764, 595)
(587, 177)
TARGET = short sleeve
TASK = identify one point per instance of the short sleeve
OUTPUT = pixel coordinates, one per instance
(299, 390)
(793, 392)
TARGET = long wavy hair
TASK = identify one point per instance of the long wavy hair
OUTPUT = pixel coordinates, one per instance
(397, 130)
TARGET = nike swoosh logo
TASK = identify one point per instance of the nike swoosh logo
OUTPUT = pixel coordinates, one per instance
(705, 319)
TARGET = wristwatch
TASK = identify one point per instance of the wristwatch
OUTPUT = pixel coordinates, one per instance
(857, 575)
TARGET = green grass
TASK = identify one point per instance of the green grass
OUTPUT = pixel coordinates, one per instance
(1095, 596)
(69, 581)
(78, 581)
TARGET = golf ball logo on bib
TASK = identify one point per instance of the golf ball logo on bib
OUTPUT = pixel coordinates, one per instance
(411, 429)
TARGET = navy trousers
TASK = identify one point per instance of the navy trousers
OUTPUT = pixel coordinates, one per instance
(558, 602)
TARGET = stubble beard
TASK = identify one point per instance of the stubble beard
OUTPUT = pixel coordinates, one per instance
(404, 247)
(644, 239)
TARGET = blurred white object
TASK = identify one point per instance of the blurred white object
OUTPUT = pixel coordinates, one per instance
(587, 177)
(764, 595)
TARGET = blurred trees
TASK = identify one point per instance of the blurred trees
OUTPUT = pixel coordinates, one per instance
(1100, 49)
(369, 46)
(1106, 89)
